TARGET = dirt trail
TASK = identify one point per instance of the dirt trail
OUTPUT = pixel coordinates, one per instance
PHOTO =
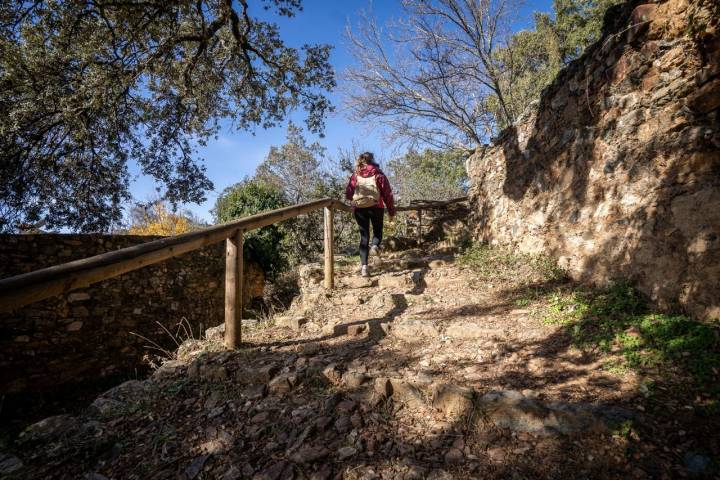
(425, 370)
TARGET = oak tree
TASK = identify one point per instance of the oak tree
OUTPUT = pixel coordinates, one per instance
(89, 86)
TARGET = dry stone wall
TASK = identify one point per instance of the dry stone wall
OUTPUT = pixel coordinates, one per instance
(616, 170)
(90, 333)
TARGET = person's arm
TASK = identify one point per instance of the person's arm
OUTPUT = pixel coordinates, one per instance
(350, 189)
(386, 193)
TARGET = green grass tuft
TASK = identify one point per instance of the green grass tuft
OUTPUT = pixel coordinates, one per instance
(616, 319)
(505, 264)
(346, 260)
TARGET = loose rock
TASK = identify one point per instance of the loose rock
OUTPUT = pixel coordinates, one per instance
(414, 330)
(452, 400)
(9, 464)
(454, 456)
(346, 452)
(309, 454)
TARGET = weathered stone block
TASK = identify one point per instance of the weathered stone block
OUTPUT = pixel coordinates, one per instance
(413, 330)
(454, 401)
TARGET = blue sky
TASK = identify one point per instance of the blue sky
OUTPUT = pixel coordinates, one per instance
(235, 155)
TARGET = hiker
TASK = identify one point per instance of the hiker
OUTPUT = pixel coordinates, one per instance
(369, 191)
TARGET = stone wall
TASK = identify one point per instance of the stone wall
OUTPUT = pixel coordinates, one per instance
(616, 170)
(90, 333)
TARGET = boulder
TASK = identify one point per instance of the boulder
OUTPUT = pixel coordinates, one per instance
(435, 264)
(355, 330)
(217, 334)
(9, 464)
(357, 282)
(454, 456)
(454, 401)
(351, 299)
(311, 275)
(201, 369)
(257, 375)
(511, 409)
(407, 393)
(525, 413)
(346, 452)
(51, 428)
(353, 379)
(332, 374)
(132, 390)
(255, 392)
(106, 407)
(168, 369)
(309, 454)
(469, 331)
(312, 299)
(282, 384)
(380, 300)
(293, 322)
(383, 387)
(412, 330)
(406, 280)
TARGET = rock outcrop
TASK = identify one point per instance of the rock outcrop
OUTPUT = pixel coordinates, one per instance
(616, 170)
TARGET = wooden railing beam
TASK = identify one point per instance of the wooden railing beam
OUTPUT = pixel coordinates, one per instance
(34, 286)
(27, 288)
(329, 249)
(234, 283)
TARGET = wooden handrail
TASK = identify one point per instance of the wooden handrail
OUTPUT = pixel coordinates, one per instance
(21, 290)
(33, 286)
(425, 205)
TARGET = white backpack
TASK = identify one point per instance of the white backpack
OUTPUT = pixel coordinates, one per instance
(366, 192)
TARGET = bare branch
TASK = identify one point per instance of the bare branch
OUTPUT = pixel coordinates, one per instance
(431, 76)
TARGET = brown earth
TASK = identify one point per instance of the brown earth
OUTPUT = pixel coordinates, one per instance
(426, 370)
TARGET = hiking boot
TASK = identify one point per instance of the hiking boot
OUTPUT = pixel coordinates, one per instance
(364, 271)
(375, 250)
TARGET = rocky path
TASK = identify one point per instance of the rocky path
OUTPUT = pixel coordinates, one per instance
(424, 370)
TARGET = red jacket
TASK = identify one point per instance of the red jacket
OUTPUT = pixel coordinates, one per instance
(386, 196)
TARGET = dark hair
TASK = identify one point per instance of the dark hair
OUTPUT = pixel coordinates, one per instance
(363, 159)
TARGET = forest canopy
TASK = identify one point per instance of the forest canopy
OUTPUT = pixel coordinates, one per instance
(87, 87)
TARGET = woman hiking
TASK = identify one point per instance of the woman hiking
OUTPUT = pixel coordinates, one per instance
(370, 192)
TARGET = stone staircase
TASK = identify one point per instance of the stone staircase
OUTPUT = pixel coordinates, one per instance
(422, 370)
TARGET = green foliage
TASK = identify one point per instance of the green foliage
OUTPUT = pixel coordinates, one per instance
(248, 198)
(428, 175)
(504, 264)
(530, 62)
(615, 319)
(346, 260)
(300, 172)
(623, 430)
(294, 172)
(88, 87)
(532, 58)
(294, 168)
(578, 23)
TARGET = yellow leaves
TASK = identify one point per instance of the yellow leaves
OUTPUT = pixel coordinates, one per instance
(159, 221)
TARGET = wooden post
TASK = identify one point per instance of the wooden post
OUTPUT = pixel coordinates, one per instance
(419, 227)
(329, 249)
(233, 289)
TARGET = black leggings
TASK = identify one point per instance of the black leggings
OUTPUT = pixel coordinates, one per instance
(363, 217)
